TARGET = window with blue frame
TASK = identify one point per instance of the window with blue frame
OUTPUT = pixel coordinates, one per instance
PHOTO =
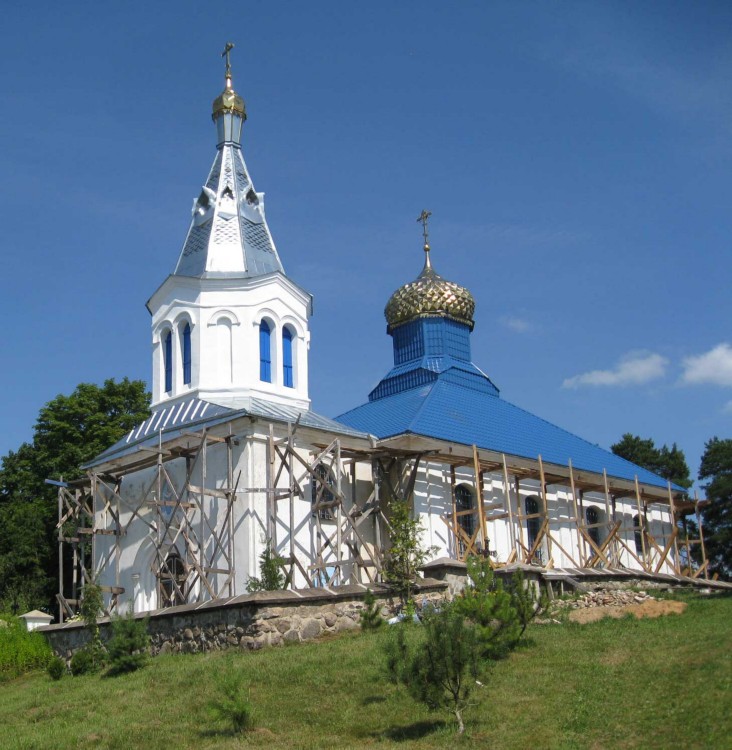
(168, 361)
(186, 347)
(287, 375)
(265, 352)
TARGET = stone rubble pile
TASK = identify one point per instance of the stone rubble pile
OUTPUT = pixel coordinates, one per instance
(606, 598)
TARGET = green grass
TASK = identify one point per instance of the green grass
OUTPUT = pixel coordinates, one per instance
(21, 651)
(612, 684)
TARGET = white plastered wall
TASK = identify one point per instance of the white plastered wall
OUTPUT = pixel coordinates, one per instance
(134, 569)
(250, 525)
(433, 502)
(224, 315)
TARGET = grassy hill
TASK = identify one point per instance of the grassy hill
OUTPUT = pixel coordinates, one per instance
(611, 684)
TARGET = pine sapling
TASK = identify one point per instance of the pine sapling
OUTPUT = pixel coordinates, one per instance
(441, 668)
(371, 613)
(406, 555)
(490, 608)
(231, 702)
(128, 645)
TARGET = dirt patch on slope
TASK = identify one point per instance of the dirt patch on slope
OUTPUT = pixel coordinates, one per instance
(648, 608)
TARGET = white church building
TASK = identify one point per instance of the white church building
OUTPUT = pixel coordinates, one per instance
(233, 458)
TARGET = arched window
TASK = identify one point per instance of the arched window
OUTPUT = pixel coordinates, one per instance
(172, 580)
(638, 534)
(533, 524)
(287, 375)
(321, 491)
(224, 351)
(464, 505)
(168, 361)
(265, 348)
(592, 516)
(186, 349)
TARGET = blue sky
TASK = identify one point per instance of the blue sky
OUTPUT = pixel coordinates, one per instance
(576, 157)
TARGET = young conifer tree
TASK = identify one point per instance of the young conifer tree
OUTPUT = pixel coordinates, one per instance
(489, 606)
(406, 555)
(441, 668)
(371, 613)
(270, 577)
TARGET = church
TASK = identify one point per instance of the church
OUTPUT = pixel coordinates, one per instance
(233, 459)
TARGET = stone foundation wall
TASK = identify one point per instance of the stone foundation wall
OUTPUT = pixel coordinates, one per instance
(455, 574)
(253, 621)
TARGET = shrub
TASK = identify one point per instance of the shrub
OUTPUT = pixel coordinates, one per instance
(92, 605)
(231, 704)
(371, 613)
(56, 668)
(92, 657)
(21, 651)
(88, 660)
(127, 648)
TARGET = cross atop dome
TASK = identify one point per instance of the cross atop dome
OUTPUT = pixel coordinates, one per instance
(227, 48)
(228, 111)
(424, 218)
(429, 294)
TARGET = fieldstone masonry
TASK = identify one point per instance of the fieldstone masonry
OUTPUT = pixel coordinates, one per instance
(253, 621)
(273, 618)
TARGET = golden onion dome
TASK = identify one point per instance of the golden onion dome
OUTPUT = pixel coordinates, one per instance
(228, 101)
(429, 294)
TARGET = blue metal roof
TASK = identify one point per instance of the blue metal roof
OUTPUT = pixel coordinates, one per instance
(447, 410)
(172, 420)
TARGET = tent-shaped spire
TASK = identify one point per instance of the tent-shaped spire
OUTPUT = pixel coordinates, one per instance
(228, 235)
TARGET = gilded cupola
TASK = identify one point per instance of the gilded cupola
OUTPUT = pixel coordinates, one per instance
(228, 110)
(429, 295)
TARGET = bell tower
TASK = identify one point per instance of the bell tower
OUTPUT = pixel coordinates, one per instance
(228, 325)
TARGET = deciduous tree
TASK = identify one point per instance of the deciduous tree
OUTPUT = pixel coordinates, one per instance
(70, 431)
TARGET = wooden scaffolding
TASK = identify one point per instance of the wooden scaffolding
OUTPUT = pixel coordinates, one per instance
(192, 552)
(190, 521)
(599, 544)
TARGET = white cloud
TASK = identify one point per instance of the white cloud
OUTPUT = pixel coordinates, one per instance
(714, 366)
(727, 408)
(518, 325)
(634, 368)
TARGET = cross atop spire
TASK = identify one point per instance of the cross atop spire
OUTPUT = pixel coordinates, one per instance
(229, 111)
(423, 218)
(227, 49)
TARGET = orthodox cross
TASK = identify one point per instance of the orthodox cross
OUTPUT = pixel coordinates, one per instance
(424, 218)
(229, 46)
